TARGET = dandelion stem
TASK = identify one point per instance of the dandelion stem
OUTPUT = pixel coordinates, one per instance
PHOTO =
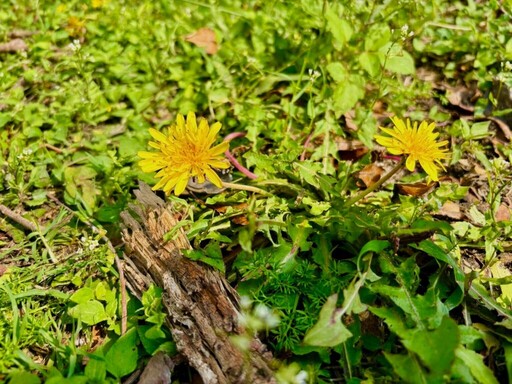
(242, 187)
(373, 187)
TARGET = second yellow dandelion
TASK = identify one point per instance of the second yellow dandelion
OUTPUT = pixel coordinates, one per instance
(418, 143)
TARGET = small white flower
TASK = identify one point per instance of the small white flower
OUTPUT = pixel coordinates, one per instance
(301, 377)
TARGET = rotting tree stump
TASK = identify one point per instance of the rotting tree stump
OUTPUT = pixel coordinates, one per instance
(201, 306)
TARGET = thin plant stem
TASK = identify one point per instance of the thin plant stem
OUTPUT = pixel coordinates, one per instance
(242, 187)
(373, 187)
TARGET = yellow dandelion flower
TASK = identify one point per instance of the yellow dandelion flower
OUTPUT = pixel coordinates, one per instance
(419, 143)
(185, 152)
(98, 3)
(75, 27)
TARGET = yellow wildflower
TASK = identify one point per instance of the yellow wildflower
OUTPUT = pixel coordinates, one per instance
(75, 27)
(98, 3)
(185, 152)
(419, 143)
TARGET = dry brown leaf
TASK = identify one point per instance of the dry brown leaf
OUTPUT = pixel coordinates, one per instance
(369, 175)
(503, 213)
(459, 96)
(350, 150)
(503, 126)
(451, 210)
(414, 189)
(204, 38)
(349, 120)
(14, 45)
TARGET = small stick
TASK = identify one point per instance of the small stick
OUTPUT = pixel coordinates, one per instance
(18, 218)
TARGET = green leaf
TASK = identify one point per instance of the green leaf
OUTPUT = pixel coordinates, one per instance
(345, 97)
(329, 331)
(211, 255)
(396, 59)
(474, 361)
(122, 356)
(96, 369)
(23, 378)
(375, 246)
(337, 71)
(377, 37)
(436, 348)
(90, 312)
(407, 367)
(299, 233)
(340, 28)
(370, 62)
(82, 295)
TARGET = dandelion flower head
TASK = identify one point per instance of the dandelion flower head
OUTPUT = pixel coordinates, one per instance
(418, 143)
(186, 151)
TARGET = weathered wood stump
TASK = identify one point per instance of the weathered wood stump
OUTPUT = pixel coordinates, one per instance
(201, 305)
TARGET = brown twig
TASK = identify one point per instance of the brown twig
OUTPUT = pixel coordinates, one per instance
(119, 263)
(18, 218)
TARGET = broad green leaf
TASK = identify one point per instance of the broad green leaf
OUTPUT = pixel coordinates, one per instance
(396, 59)
(393, 318)
(426, 309)
(96, 369)
(21, 377)
(345, 97)
(474, 361)
(337, 71)
(377, 37)
(82, 295)
(407, 367)
(90, 312)
(351, 300)
(299, 233)
(435, 348)
(122, 356)
(211, 255)
(370, 62)
(375, 246)
(340, 28)
(329, 331)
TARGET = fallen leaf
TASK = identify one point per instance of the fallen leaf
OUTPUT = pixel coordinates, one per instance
(369, 175)
(414, 189)
(460, 97)
(15, 45)
(502, 213)
(350, 150)
(502, 125)
(204, 38)
(451, 210)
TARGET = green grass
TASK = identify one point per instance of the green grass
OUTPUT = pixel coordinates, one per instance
(422, 296)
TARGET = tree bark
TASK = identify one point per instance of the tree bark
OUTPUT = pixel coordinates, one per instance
(201, 306)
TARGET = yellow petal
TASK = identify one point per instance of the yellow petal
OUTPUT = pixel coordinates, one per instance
(213, 177)
(157, 135)
(181, 184)
(410, 163)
